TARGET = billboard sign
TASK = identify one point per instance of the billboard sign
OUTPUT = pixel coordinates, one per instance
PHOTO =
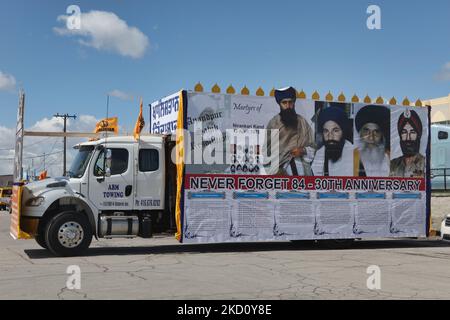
(164, 114)
(281, 168)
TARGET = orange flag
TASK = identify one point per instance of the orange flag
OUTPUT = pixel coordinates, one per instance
(43, 175)
(140, 123)
(107, 125)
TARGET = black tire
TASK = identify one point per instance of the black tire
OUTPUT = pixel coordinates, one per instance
(57, 243)
(40, 236)
(40, 239)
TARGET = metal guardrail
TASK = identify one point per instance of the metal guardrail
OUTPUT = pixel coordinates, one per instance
(440, 179)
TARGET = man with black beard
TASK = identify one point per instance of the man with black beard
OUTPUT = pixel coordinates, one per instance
(371, 158)
(296, 141)
(335, 157)
(412, 163)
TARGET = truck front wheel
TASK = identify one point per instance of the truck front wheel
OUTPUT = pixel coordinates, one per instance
(40, 239)
(68, 234)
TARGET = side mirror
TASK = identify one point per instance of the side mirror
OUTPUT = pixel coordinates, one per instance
(108, 154)
(108, 158)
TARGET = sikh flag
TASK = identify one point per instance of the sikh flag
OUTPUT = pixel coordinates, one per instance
(107, 125)
(140, 123)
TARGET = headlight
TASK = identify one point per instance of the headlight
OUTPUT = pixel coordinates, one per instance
(35, 202)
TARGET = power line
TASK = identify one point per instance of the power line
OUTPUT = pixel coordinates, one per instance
(44, 155)
(51, 163)
(13, 148)
(53, 146)
(43, 165)
(34, 157)
(40, 141)
(47, 165)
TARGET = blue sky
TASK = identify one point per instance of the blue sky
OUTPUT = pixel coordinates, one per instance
(321, 45)
(315, 45)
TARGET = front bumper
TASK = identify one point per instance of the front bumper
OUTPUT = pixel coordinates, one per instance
(29, 226)
(21, 227)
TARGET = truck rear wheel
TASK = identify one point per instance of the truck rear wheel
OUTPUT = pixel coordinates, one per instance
(68, 234)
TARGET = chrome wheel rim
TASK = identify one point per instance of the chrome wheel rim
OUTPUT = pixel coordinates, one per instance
(70, 234)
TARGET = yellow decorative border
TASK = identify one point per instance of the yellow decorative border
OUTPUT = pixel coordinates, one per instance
(180, 165)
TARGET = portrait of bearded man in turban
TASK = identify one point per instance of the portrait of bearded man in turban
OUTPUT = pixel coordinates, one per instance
(412, 163)
(372, 156)
(335, 157)
(296, 139)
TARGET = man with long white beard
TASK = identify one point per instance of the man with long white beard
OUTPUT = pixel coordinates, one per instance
(412, 163)
(335, 157)
(296, 141)
(371, 158)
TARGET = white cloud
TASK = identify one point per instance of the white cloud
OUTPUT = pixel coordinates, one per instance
(7, 82)
(121, 95)
(106, 31)
(444, 74)
(52, 124)
(83, 123)
(6, 149)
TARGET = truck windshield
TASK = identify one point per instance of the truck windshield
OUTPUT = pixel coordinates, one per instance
(80, 162)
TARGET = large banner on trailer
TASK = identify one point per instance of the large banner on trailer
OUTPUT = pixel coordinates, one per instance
(278, 168)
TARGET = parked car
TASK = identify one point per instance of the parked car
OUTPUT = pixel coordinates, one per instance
(445, 228)
(5, 198)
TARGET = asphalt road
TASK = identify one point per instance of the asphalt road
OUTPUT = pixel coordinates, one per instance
(160, 268)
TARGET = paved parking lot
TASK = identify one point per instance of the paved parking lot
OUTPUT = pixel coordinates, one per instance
(160, 268)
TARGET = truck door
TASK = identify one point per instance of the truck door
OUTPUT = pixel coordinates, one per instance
(116, 191)
(150, 179)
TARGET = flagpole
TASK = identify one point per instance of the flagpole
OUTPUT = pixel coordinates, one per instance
(107, 114)
(137, 157)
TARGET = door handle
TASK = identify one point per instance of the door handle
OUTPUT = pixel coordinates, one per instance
(128, 190)
(101, 179)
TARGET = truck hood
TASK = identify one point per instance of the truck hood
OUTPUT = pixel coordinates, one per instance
(38, 187)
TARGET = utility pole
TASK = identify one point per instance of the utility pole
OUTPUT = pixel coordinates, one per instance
(64, 116)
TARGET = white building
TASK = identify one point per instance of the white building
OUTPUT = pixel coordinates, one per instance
(440, 109)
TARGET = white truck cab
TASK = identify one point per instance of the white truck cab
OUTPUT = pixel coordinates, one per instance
(116, 187)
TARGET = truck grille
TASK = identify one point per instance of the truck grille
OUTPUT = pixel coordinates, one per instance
(447, 222)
